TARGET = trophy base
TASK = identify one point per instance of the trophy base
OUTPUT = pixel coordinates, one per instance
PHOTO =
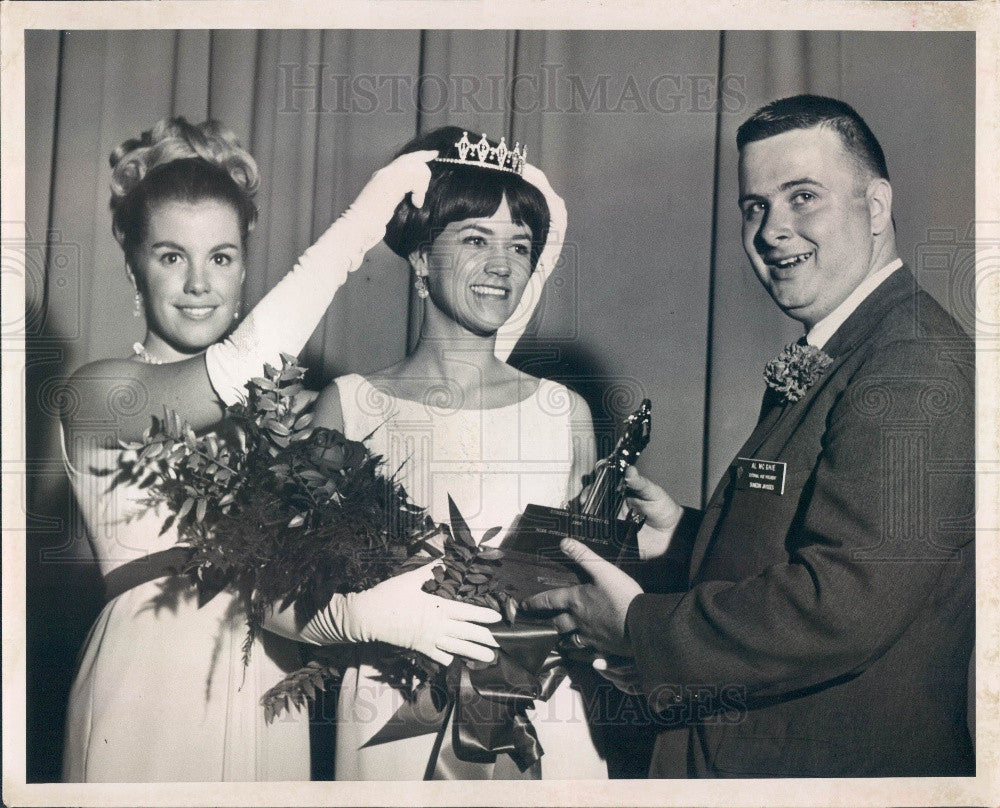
(539, 530)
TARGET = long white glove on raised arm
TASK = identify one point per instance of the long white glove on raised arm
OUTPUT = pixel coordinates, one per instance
(287, 316)
(510, 332)
(398, 612)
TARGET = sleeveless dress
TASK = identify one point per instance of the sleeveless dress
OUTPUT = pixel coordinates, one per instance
(493, 463)
(161, 693)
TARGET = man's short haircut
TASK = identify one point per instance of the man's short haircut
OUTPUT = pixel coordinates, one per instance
(808, 111)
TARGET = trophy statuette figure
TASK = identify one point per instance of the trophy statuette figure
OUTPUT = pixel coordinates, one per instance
(593, 520)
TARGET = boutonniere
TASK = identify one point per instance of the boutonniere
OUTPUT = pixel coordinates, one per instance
(796, 369)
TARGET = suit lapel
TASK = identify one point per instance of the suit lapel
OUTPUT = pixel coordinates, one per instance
(775, 411)
(852, 332)
(871, 312)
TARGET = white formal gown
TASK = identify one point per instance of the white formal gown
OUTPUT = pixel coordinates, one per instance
(493, 463)
(161, 693)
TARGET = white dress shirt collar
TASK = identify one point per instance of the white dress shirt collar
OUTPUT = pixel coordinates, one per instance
(820, 333)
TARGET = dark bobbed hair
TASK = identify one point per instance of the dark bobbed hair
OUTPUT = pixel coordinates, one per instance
(179, 161)
(458, 192)
(808, 111)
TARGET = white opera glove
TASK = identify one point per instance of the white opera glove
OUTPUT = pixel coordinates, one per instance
(286, 317)
(510, 332)
(398, 612)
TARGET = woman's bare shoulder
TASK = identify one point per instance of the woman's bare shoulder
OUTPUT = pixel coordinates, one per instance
(89, 387)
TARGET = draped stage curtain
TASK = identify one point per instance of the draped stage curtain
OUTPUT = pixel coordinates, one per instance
(636, 130)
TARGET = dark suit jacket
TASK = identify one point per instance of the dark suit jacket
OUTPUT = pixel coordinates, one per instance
(827, 631)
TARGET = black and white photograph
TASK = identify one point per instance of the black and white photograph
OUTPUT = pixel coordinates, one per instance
(404, 399)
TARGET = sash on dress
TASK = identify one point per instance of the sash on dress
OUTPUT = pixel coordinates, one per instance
(138, 571)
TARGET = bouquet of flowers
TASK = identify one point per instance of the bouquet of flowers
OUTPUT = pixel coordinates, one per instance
(286, 514)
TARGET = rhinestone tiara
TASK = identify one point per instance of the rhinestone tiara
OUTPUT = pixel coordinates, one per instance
(483, 155)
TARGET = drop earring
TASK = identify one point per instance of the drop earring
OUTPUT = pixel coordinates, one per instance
(420, 284)
(137, 311)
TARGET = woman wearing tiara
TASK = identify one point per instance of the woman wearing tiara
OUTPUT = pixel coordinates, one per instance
(458, 421)
(161, 693)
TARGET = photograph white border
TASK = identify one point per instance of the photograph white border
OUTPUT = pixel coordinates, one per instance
(982, 17)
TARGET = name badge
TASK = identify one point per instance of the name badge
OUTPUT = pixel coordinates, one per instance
(760, 475)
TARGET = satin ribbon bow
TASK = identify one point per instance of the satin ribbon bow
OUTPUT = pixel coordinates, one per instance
(482, 710)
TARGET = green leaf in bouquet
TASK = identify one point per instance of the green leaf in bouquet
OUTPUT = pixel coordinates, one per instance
(476, 578)
(185, 508)
(459, 527)
(267, 404)
(148, 479)
(483, 569)
(303, 400)
(291, 390)
(201, 509)
(489, 534)
(297, 521)
(151, 452)
(168, 523)
(276, 426)
(303, 420)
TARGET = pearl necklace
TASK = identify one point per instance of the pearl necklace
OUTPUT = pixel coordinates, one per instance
(140, 350)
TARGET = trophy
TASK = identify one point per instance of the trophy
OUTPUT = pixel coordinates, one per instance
(594, 519)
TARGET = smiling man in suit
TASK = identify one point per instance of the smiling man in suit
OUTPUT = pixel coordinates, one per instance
(829, 619)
